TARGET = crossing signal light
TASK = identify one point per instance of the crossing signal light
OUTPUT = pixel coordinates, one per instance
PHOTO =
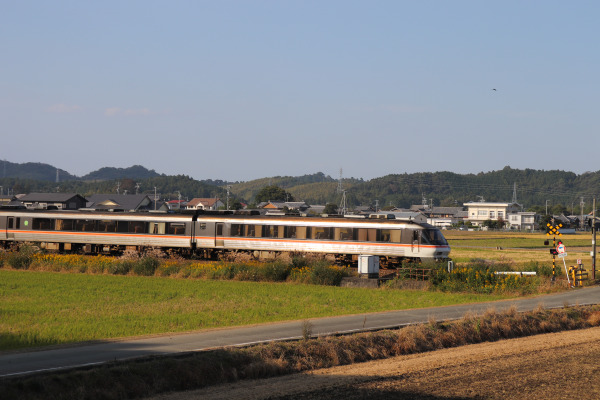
(553, 252)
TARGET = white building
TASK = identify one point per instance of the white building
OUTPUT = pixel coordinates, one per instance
(523, 221)
(478, 212)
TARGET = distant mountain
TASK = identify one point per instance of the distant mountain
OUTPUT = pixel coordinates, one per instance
(35, 171)
(133, 172)
(47, 172)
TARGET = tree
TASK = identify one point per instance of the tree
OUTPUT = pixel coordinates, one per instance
(272, 193)
(330, 208)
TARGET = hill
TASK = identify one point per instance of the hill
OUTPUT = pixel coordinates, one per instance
(34, 170)
(561, 191)
(133, 172)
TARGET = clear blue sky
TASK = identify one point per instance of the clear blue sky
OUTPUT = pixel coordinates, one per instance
(239, 90)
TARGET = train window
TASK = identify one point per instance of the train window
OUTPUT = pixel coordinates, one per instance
(389, 235)
(258, 231)
(137, 226)
(302, 232)
(433, 236)
(237, 230)
(249, 230)
(13, 223)
(175, 228)
(122, 226)
(42, 224)
(85, 225)
(107, 225)
(219, 229)
(271, 231)
(65, 225)
(290, 232)
(407, 236)
(367, 235)
(156, 228)
(344, 234)
(322, 232)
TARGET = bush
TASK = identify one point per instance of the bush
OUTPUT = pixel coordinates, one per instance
(22, 258)
(121, 268)
(276, 271)
(323, 274)
(145, 266)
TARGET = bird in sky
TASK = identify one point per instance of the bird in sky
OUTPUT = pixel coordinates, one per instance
(494, 90)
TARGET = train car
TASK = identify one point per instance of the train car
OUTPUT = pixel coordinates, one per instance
(96, 232)
(217, 234)
(344, 237)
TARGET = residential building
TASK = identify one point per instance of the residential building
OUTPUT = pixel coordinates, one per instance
(60, 201)
(523, 220)
(280, 205)
(124, 202)
(478, 212)
(204, 204)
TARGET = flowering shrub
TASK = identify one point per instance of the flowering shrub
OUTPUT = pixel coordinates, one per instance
(297, 269)
(481, 279)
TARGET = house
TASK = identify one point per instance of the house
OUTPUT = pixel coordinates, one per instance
(444, 217)
(6, 199)
(60, 201)
(405, 215)
(480, 211)
(177, 204)
(204, 204)
(281, 205)
(124, 202)
(523, 220)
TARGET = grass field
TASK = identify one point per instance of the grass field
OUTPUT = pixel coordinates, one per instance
(39, 308)
(517, 248)
(45, 308)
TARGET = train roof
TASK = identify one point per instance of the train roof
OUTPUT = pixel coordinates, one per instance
(226, 216)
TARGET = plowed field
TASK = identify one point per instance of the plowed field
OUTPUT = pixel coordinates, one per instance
(562, 365)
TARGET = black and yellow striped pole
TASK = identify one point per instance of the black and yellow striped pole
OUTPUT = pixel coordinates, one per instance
(554, 230)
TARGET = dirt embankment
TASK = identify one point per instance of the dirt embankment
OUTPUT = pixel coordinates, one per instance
(550, 367)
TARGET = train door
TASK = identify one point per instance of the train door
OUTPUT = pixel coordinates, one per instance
(411, 237)
(12, 223)
(219, 228)
(416, 241)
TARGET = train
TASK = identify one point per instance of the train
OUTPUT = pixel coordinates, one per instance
(216, 234)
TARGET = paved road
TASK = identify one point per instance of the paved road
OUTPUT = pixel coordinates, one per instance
(68, 357)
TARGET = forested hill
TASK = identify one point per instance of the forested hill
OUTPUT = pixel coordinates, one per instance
(133, 172)
(33, 170)
(46, 172)
(534, 188)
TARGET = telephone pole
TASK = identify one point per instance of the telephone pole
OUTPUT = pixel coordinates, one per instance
(594, 241)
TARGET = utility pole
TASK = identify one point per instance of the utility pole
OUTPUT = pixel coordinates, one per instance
(228, 189)
(342, 209)
(594, 241)
(155, 198)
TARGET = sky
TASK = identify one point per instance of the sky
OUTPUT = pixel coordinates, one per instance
(239, 90)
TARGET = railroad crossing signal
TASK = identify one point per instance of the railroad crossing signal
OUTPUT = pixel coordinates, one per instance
(554, 230)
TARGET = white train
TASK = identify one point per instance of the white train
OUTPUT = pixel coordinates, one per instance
(214, 234)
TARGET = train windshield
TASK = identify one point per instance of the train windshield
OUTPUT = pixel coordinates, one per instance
(434, 236)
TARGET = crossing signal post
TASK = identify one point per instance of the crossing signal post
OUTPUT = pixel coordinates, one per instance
(553, 230)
